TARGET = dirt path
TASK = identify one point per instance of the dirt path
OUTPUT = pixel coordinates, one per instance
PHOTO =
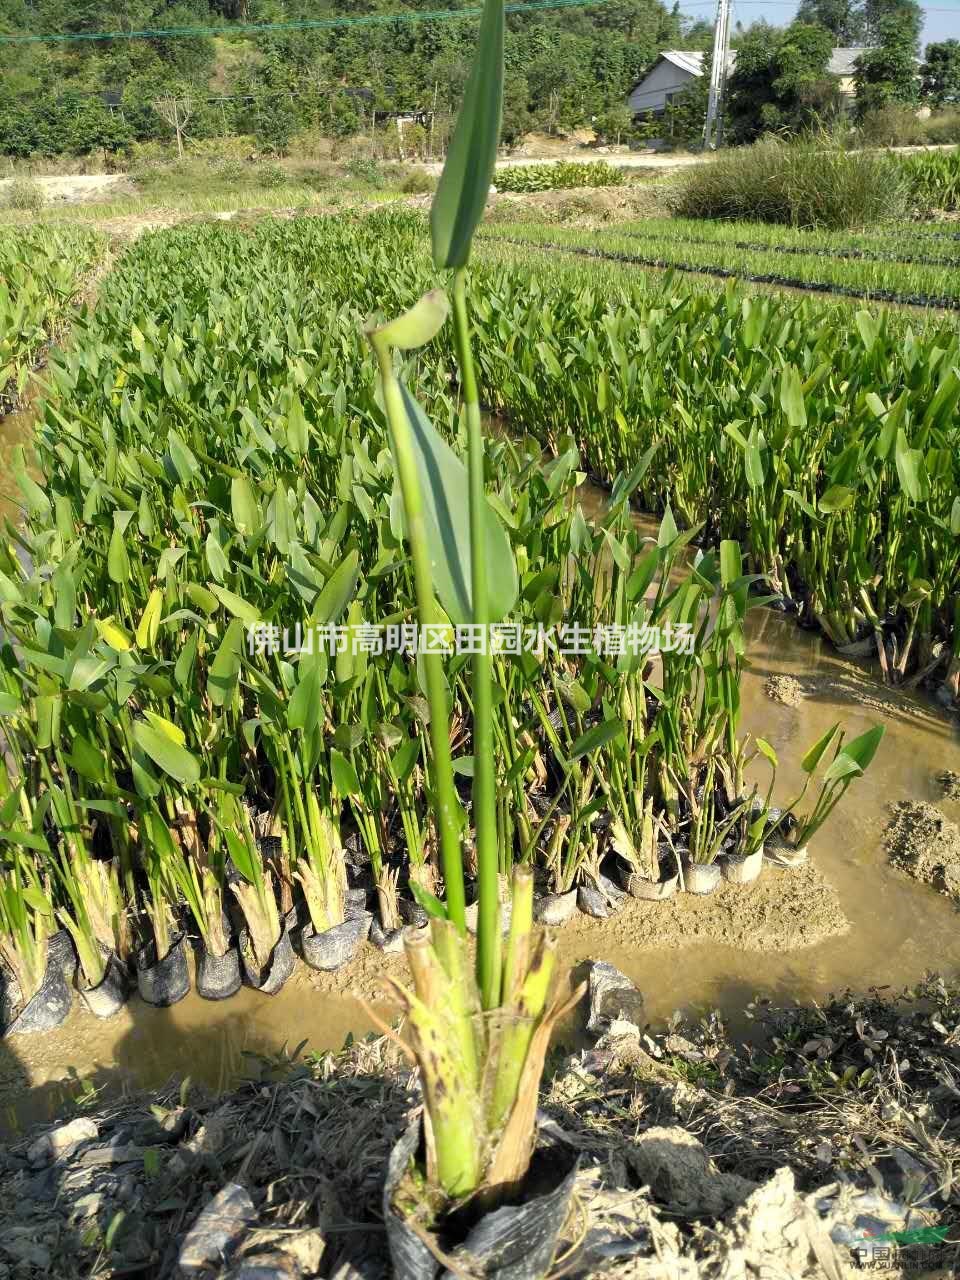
(77, 188)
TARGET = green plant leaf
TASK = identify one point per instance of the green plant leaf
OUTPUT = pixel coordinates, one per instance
(465, 182)
(166, 754)
(815, 754)
(430, 903)
(338, 591)
(596, 738)
(445, 489)
(345, 780)
(225, 668)
(856, 756)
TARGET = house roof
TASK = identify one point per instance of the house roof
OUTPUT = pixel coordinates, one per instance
(840, 64)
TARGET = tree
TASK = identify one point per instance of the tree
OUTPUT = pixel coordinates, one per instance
(940, 73)
(844, 19)
(888, 72)
(780, 81)
(175, 111)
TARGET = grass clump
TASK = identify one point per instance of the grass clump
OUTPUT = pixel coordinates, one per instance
(25, 195)
(417, 183)
(806, 182)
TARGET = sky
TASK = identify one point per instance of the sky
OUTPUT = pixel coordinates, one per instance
(942, 16)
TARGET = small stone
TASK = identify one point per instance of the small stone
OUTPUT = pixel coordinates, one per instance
(25, 1251)
(55, 1144)
(127, 1187)
(612, 995)
(218, 1226)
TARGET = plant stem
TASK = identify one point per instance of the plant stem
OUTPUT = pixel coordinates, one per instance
(484, 780)
(432, 662)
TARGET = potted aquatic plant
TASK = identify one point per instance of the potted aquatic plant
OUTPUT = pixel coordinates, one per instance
(839, 771)
(478, 1031)
(743, 864)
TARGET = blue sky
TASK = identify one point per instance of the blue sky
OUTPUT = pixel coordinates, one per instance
(942, 16)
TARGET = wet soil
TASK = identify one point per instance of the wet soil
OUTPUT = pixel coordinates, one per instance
(949, 784)
(849, 919)
(923, 842)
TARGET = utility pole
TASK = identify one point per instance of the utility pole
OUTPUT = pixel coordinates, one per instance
(713, 126)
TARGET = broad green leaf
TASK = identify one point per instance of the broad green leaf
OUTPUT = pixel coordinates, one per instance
(118, 562)
(167, 755)
(445, 492)
(338, 591)
(767, 751)
(113, 635)
(225, 668)
(244, 506)
(418, 326)
(596, 738)
(345, 780)
(837, 498)
(167, 727)
(149, 626)
(236, 605)
(465, 182)
(815, 754)
(857, 755)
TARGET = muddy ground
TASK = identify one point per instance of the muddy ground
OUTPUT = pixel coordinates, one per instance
(830, 1141)
(922, 841)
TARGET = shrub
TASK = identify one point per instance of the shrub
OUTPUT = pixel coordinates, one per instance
(365, 169)
(933, 179)
(806, 182)
(558, 177)
(418, 182)
(944, 127)
(271, 176)
(25, 194)
(893, 125)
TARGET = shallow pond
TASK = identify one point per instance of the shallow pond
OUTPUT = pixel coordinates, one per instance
(693, 953)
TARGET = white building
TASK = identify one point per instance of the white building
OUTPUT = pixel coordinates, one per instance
(677, 68)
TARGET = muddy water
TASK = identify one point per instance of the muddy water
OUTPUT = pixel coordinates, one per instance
(897, 931)
(14, 430)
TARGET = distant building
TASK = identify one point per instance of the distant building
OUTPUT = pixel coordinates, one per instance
(675, 69)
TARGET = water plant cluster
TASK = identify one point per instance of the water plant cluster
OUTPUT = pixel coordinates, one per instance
(898, 274)
(933, 179)
(564, 175)
(826, 441)
(41, 272)
(215, 457)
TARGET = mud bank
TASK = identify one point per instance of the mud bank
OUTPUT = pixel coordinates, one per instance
(923, 842)
(698, 1158)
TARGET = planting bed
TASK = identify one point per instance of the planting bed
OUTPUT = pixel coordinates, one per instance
(214, 459)
(872, 279)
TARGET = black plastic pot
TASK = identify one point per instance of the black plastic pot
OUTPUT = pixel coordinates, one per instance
(218, 977)
(390, 940)
(555, 908)
(163, 982)
(333, 948)
(109, 996)
(515, 1242)
(278, 969)
(50, 1006)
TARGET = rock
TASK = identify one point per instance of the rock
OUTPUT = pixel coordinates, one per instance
(555, 908)
(612, 995)
(89, 1205)
(26, 1251)
(681, 1176)
(61, 1141)
(127, 1188)
(218, 1226)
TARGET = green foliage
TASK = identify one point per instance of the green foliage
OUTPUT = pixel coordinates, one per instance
(844, 19)
(887, 71)
(780, 81)
(941, 73)
(563, 68)
(563, 176)
(934, 179)
(805, 182)
(417, 182)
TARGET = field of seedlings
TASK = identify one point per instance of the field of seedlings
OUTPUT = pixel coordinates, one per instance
(897, 267)
(412, 608)
(41, 273)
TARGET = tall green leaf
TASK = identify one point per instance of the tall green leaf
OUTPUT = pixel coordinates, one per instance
(465, 182)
